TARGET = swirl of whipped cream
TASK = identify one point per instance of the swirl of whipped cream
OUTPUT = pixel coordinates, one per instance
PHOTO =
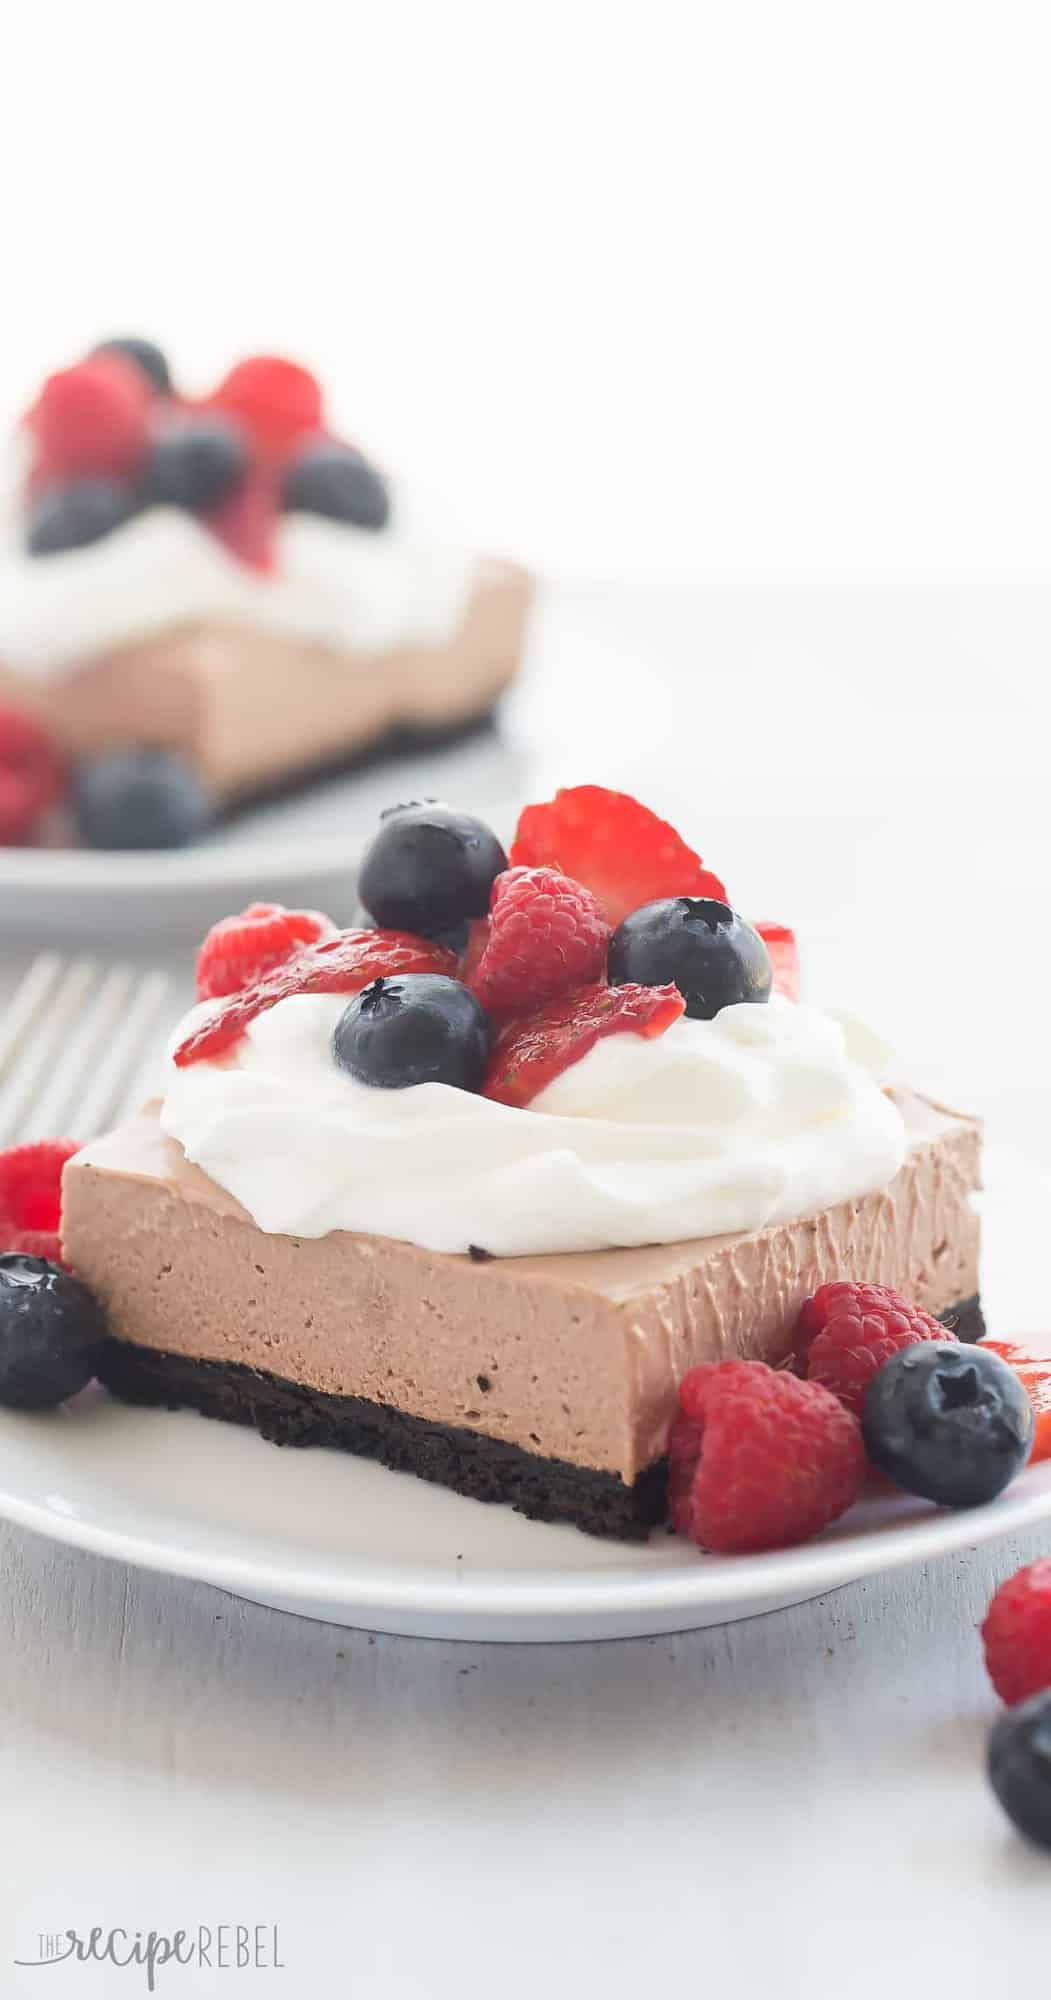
(761, 1116)
(332, 584)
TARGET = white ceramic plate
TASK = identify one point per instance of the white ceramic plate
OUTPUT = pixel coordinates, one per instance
(331, 1537)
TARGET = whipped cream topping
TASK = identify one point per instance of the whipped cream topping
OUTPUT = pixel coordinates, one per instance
(350, 588)
(765, 1114)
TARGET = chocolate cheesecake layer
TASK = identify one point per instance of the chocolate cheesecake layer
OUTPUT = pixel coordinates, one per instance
(573, 1358)
(483, 1468)
(251, 708)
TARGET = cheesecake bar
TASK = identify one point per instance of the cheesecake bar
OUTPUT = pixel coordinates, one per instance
(545, 1381)
(223, 582)
(472, 1190)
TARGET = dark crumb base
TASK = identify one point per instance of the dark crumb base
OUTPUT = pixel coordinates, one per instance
(966, 1320)
(404, 740)
(546, 1489)
(484, 1468)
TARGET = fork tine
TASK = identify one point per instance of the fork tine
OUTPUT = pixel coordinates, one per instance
(118, 1081)
(89, 1042)
(74, 1046)
(26, 1003)
(42, 1046)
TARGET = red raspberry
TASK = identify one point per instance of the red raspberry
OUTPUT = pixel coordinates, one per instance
(278, 400)
(32, 777)
(91, 418)
(340, 964)
(239, 950)
(531, 1052)
(46, 1243)
(547, 934)
(246, 523)
(784, 957)
(846, 1332)
(1017, 1634)
(758, 1459)
(31, 1197)
(615, 846)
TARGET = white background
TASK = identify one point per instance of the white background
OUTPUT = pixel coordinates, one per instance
(641, 293)
(686, 287)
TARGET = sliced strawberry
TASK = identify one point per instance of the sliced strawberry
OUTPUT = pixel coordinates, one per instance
(341, 964)
(247, 523)
(1034, 1373)
(615, 846)
(240, 950)
(783, 947)
(530, 1053)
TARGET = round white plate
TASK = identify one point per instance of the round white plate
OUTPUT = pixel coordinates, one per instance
(338, 1539)
(331, 1537)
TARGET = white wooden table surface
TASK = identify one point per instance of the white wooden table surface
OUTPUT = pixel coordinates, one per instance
(793, 1804)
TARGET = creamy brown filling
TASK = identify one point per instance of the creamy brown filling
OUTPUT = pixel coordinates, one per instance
(249, 707)
(574, 1357)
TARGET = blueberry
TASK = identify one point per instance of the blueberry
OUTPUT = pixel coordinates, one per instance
(419, 1028)
(335, 480)
(140, 798)
(146, 356)
(429, 869)
(702, 947)
(52, 1334)
(71, 516)
(195, 464)
(951, 1423)
(1019, 1765)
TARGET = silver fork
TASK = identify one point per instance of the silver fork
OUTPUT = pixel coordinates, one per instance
(79, 1047)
